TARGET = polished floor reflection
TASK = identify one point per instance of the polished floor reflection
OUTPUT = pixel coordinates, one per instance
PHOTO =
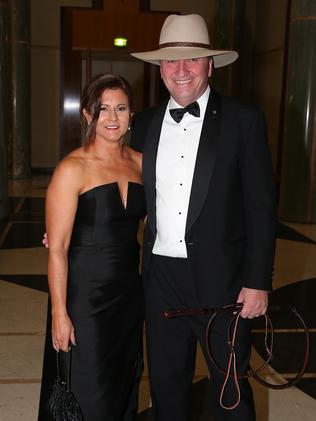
(23, 303)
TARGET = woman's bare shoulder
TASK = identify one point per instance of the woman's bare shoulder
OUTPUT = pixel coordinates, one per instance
(70, 170)
(74, 161)
(135, 156)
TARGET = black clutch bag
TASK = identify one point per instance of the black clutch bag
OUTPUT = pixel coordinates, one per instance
(62, 405)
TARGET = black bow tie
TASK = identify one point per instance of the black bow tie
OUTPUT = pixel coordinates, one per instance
(178, 113)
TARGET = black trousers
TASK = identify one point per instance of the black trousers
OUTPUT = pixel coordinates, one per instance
(171, 347)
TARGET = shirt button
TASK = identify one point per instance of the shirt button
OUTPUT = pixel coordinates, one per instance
(179, 213)
(180, 241)
(182, 156)
(180, 184)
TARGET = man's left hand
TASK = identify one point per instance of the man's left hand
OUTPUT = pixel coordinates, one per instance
(255, 302)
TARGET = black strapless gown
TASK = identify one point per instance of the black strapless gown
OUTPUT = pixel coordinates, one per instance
(105, 304)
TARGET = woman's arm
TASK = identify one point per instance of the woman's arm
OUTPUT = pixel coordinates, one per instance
(61, 206)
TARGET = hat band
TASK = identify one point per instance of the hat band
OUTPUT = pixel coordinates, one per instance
(184, 44)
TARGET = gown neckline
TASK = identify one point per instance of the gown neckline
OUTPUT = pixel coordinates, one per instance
(114, 183)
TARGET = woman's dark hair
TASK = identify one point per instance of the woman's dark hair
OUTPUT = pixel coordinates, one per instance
(91, 101)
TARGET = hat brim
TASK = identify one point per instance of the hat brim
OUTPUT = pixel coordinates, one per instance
(221, 57)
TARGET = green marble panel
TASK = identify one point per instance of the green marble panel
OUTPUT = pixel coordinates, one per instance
(20, 17)
(229, 33)
(303, 8)
(298, 179)
(22, 129)
(4, 207)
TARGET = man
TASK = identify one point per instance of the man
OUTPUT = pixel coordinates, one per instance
(209, 239)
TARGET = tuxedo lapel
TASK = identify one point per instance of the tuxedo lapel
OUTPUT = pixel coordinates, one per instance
(205, 159)
(149, 163)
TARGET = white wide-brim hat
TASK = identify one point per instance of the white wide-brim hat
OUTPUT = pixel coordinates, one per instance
(185, 37)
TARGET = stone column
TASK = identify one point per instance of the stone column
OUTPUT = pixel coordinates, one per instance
(19, 151)
(298, 171)
(4, 107)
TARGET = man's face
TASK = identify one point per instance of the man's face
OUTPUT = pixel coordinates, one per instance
(186, 79)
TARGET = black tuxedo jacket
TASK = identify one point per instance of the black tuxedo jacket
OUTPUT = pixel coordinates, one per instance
(230, 227)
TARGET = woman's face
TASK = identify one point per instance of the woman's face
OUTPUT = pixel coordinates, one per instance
(114, 116)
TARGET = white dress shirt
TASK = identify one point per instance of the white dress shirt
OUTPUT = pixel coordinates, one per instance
(177, 150)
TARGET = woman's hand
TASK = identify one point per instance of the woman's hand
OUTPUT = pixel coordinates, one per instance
(45, 240)
(63, 332)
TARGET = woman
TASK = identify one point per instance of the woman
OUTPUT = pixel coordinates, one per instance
(94, 203)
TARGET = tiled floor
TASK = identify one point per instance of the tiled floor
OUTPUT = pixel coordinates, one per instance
(23, 303)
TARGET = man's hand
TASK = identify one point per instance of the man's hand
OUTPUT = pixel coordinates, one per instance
(45, 240)
(255, 302)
